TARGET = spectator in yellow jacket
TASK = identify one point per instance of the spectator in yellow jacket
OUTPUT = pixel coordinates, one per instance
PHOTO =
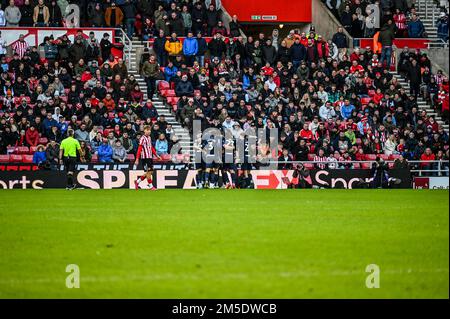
(173, 46)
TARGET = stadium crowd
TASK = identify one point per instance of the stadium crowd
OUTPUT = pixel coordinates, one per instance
(359, 17)
(329, 103)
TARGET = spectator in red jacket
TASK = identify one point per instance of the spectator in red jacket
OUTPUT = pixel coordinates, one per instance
(32, 136)
(427, 156)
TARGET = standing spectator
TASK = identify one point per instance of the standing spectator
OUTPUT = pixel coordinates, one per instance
(202, 48)
(129, 13)
(415, 78)
(415, 27)
(187, 19)
(113, 16)
(386, 37)
(212, 18)
(51, 50)
(2, 46)
(400, 23)
(190, 49)
(20, 46)
(2, 17)
(346, 19)
(173, 46)
(12, 15)
(217, 47)
(55, 18)
(150, 71)
(41, 14)
(198, 16)
(176, 24)
(269, 53)
(105, 47)
(27, 14)
(442, 26)
(159, 45)
(235, 31)
(340, 39)
(96, 16)
(297, 53)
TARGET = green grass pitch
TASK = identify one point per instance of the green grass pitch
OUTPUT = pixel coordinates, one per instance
(224, 244)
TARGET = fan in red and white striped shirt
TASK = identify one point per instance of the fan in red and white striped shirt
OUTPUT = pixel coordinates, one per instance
(321, 158)
(20, 47)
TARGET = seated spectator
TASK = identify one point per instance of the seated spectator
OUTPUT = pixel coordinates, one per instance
(161, 145)
(119, 152)
(84, 155)
(39, 157)
(105, 152)
(184, 87)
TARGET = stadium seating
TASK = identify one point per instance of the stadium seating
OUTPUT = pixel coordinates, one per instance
(15, 158)
(27, 158)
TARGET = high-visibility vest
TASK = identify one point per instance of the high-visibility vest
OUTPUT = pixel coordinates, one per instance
(376, 44)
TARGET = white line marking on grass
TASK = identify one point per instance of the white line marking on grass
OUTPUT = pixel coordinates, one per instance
(237, 276)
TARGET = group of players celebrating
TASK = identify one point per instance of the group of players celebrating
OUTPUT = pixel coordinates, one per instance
(228, 155)
(215, 155)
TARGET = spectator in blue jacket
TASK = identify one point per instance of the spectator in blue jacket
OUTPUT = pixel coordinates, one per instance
(170, 71)
(48, 123)
(190, 49)
(39, 156)
(161, 145)
(347, 110)
(105, 152)
(415, 27)
(202, 47)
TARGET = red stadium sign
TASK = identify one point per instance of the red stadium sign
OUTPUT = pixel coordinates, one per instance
(268, 11)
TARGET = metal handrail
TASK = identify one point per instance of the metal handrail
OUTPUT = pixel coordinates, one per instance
(127, 46)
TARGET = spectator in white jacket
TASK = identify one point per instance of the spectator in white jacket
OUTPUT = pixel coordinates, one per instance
(2, 17)
(12, 14)
(390, 146)
(326, 111)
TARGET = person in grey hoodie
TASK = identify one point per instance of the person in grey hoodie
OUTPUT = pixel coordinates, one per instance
(12, 15)
(119, 152)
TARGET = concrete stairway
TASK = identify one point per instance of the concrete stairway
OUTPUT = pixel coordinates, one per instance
(423, 104)
(185, 141)
(428, 12)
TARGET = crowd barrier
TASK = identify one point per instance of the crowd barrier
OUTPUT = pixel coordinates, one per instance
(185, 179)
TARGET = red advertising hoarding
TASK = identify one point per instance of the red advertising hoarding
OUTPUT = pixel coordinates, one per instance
(269, 11)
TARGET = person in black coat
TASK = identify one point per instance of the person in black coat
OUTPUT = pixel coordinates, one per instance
(269, 52)
(415, 78)
(55, 19)
(198, 16)
(217, 47)
(159, 48)
(176, 24)
(212, 18)
(27, 14)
